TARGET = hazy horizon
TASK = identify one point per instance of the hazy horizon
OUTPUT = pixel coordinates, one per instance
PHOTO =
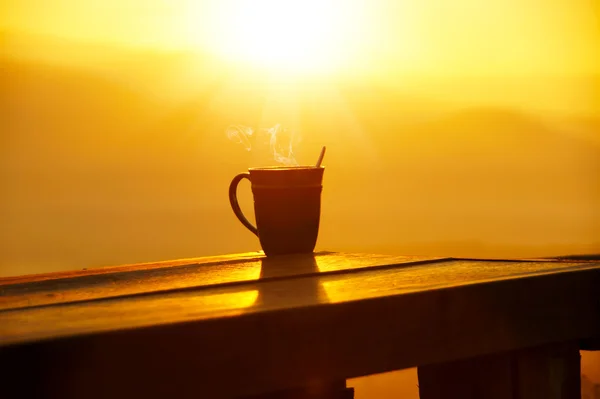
(510, 180)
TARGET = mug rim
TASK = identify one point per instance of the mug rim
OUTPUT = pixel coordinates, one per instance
(285, 168)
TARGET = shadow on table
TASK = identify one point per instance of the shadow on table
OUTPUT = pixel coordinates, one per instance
(289, 280)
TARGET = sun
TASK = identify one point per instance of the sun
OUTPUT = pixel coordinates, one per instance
(279, 35)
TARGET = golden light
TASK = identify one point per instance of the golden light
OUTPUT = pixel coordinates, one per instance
(281, 36)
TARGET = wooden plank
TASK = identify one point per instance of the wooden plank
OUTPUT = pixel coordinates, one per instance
(216, 301)
(551, 372)
(131, 267)
(162, 277)
(260, 337)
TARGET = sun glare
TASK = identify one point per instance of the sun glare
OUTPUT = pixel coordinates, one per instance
(282, 36)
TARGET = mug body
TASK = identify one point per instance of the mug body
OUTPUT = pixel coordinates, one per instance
(287, 206)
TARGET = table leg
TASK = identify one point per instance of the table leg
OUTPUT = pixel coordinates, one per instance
(549, 372)
(334, 390)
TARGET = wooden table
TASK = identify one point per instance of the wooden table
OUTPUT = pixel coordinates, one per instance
(244, 325)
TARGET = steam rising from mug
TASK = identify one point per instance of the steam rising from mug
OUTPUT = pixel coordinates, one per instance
(280, 141)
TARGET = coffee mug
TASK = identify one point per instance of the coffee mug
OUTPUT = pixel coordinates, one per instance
(287, 206)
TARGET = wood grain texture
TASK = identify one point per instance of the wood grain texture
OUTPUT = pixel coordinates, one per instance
(132, 267)
(261, 292)
(177, 275)
(277, 333)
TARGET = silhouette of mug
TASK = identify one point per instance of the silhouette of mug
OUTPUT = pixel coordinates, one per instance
(287, 206)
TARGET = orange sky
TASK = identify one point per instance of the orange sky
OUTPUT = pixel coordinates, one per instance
(439, 36)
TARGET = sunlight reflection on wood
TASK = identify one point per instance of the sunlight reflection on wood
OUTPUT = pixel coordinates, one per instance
(138, 313)
(111, 282)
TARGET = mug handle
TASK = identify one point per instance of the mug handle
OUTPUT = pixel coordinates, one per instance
(234, 202)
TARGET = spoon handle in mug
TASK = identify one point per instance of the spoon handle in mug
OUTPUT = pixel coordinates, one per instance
(234, 202)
